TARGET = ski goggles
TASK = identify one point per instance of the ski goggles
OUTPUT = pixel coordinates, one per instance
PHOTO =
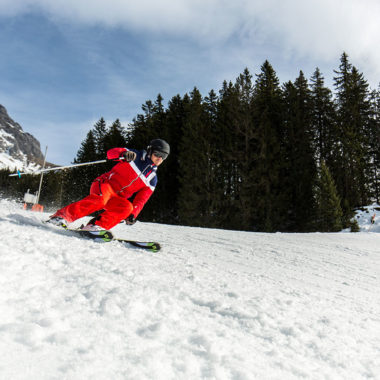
(162, 155)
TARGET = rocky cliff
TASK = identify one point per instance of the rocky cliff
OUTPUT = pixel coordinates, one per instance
(17, 148)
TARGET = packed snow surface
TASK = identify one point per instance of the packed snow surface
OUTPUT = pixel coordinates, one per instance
(213, 304)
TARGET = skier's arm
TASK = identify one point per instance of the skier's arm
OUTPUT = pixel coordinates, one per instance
(115, 153)
(121, 154)
(140, 199)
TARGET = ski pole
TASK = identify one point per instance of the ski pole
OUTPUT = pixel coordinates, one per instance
(19, 174)
(42, 176)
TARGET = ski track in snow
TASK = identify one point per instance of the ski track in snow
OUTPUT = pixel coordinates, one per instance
(213, 304)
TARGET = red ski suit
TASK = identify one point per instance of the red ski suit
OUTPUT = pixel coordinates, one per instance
(111, 191)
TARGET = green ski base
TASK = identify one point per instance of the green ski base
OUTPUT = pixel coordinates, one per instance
(107, 236)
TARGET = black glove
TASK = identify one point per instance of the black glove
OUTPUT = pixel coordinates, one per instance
(128, 156)
(130, 220)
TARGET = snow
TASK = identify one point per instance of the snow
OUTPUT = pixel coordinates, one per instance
(5, 137)
(14, 127)
(11, 163)
(365, 215)
(213, 304)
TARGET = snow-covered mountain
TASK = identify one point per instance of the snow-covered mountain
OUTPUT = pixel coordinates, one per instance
(18, 149)
(213, 304)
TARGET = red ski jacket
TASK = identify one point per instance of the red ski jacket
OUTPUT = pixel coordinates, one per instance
(137, 178)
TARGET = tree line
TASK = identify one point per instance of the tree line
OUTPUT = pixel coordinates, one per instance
(257, 155)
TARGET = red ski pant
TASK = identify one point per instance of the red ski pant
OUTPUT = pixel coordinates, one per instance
(102, 196)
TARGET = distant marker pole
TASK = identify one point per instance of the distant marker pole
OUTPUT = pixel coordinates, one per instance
(42, 176)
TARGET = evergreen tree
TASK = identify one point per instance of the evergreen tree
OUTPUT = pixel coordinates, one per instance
(163, 204)
(87, 150)
(374, 144)
(100, 132)
(159, 116)
(268, 165)
(323, 119)
(354, 225)
(230, 179)
(329, 211)
(245, 149)
(82, 177)
(115, 136)
(215, 153)
(352, 151)
(226, 158)
(299, 155)
(14, 187)
(137, 131)
(150, 125)
(194, 161)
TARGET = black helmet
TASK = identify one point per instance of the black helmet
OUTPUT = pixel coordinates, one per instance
(159, 146)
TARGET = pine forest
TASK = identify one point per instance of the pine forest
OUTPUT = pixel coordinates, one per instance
(256, 156)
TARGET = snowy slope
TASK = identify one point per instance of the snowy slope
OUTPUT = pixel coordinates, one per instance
(365, 217)
(212, 304)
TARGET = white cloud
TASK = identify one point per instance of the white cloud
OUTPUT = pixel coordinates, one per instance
(317, 29)
(199, 17)
(324, 28)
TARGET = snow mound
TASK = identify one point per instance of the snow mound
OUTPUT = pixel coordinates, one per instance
(368, 218)
(213, 304)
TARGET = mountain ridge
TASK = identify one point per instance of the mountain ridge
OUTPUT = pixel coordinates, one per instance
(18, 149)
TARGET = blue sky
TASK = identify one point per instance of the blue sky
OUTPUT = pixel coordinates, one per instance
(66, 63)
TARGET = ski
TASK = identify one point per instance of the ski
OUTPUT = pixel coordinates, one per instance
(148, 245)
(107, 236)
(103, 235)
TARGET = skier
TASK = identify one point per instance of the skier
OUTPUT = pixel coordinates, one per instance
(134, 175)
